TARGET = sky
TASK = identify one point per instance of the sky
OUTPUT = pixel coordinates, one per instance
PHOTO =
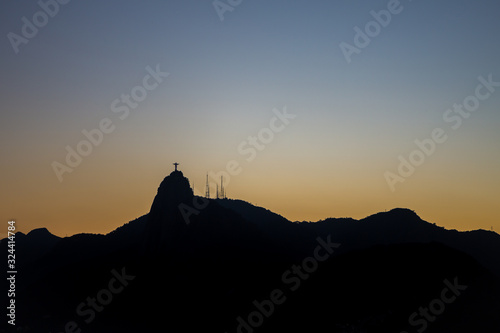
(312, 109)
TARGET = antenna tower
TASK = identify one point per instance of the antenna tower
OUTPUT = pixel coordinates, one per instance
(222, 194)
(207, 189)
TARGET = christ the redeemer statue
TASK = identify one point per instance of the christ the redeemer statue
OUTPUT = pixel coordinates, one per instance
(176, 164)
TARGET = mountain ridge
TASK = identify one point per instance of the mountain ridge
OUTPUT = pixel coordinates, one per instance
(224, 255)
(272, 223)
(44, 230)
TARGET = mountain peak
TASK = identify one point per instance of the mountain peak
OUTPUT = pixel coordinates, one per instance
(396, 218)
(39, 232)
(41, 235)
(175, 188)
(165, 221)
(404, 212)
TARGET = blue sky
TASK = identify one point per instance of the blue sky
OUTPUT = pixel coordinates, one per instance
(226, 77)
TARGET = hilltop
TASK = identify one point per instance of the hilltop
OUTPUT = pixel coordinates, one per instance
(193, 264)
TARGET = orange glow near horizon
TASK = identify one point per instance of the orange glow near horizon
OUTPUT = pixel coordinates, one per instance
(102, 203)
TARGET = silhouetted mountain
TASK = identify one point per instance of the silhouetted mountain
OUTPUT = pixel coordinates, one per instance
(32, 246)
(195, 264)
(394, 227)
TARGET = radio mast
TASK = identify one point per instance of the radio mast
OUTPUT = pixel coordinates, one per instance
(207, 189)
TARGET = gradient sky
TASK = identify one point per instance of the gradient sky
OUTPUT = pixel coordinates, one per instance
(352, 120)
